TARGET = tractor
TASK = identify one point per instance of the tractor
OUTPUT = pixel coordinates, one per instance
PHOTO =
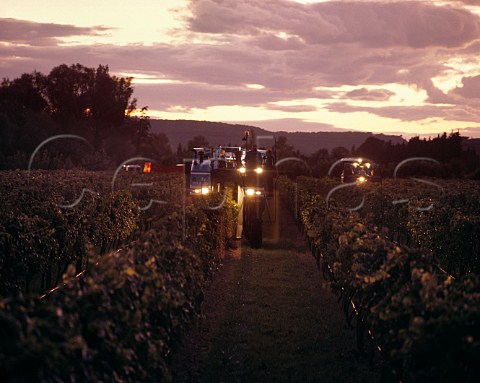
(359, 170)
(249, 169)
(257, 188)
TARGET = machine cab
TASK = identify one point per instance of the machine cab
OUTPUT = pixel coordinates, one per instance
(200, 174)
(225, 157)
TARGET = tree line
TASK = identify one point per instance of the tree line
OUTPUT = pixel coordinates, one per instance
(454, 159)
(74, 100)
(451, 158)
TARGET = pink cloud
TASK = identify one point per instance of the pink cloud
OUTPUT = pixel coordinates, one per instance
(292, 108)
(412, 113)
(470, 87)
(41, 34)
(369, 95)
(373, 24)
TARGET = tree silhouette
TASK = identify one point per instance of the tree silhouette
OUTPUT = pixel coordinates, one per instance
(340, 152)
(70, 99)
(197, 142)
(447, 149)
(110, 103)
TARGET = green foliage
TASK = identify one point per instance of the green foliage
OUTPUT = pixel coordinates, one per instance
(426, 322)
(38, 236)
(120, 320)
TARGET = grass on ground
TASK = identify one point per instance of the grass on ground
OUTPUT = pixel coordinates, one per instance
(281, 323)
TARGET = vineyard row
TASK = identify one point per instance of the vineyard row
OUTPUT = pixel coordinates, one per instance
(425, 321)
(121, 320)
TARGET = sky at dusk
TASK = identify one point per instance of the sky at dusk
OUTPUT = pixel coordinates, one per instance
(403, 67)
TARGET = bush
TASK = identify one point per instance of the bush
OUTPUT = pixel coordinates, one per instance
(121, 320)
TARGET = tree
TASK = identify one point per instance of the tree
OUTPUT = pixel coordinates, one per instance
(70, 99)
(340, 152)
(140, 128)
(293, 162)
(89, 98)
(24, 93)
(110, 103)
(69, 92)
(373, 148)
(21, 105)
(283, 149)
(319, 162)
(198, 142)
(159, 149)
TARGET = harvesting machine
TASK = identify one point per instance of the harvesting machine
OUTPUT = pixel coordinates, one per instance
(359, 170)
(250, 170)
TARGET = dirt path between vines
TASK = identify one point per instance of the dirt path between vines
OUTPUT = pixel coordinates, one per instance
(268, 316)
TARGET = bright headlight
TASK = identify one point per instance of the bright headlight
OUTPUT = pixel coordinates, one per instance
(259, 170)
(205, 190)
(361, 179)
(197, 191)
(250, 192)
(242, 170)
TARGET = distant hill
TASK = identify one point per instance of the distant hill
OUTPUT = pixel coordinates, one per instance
(219, 133)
